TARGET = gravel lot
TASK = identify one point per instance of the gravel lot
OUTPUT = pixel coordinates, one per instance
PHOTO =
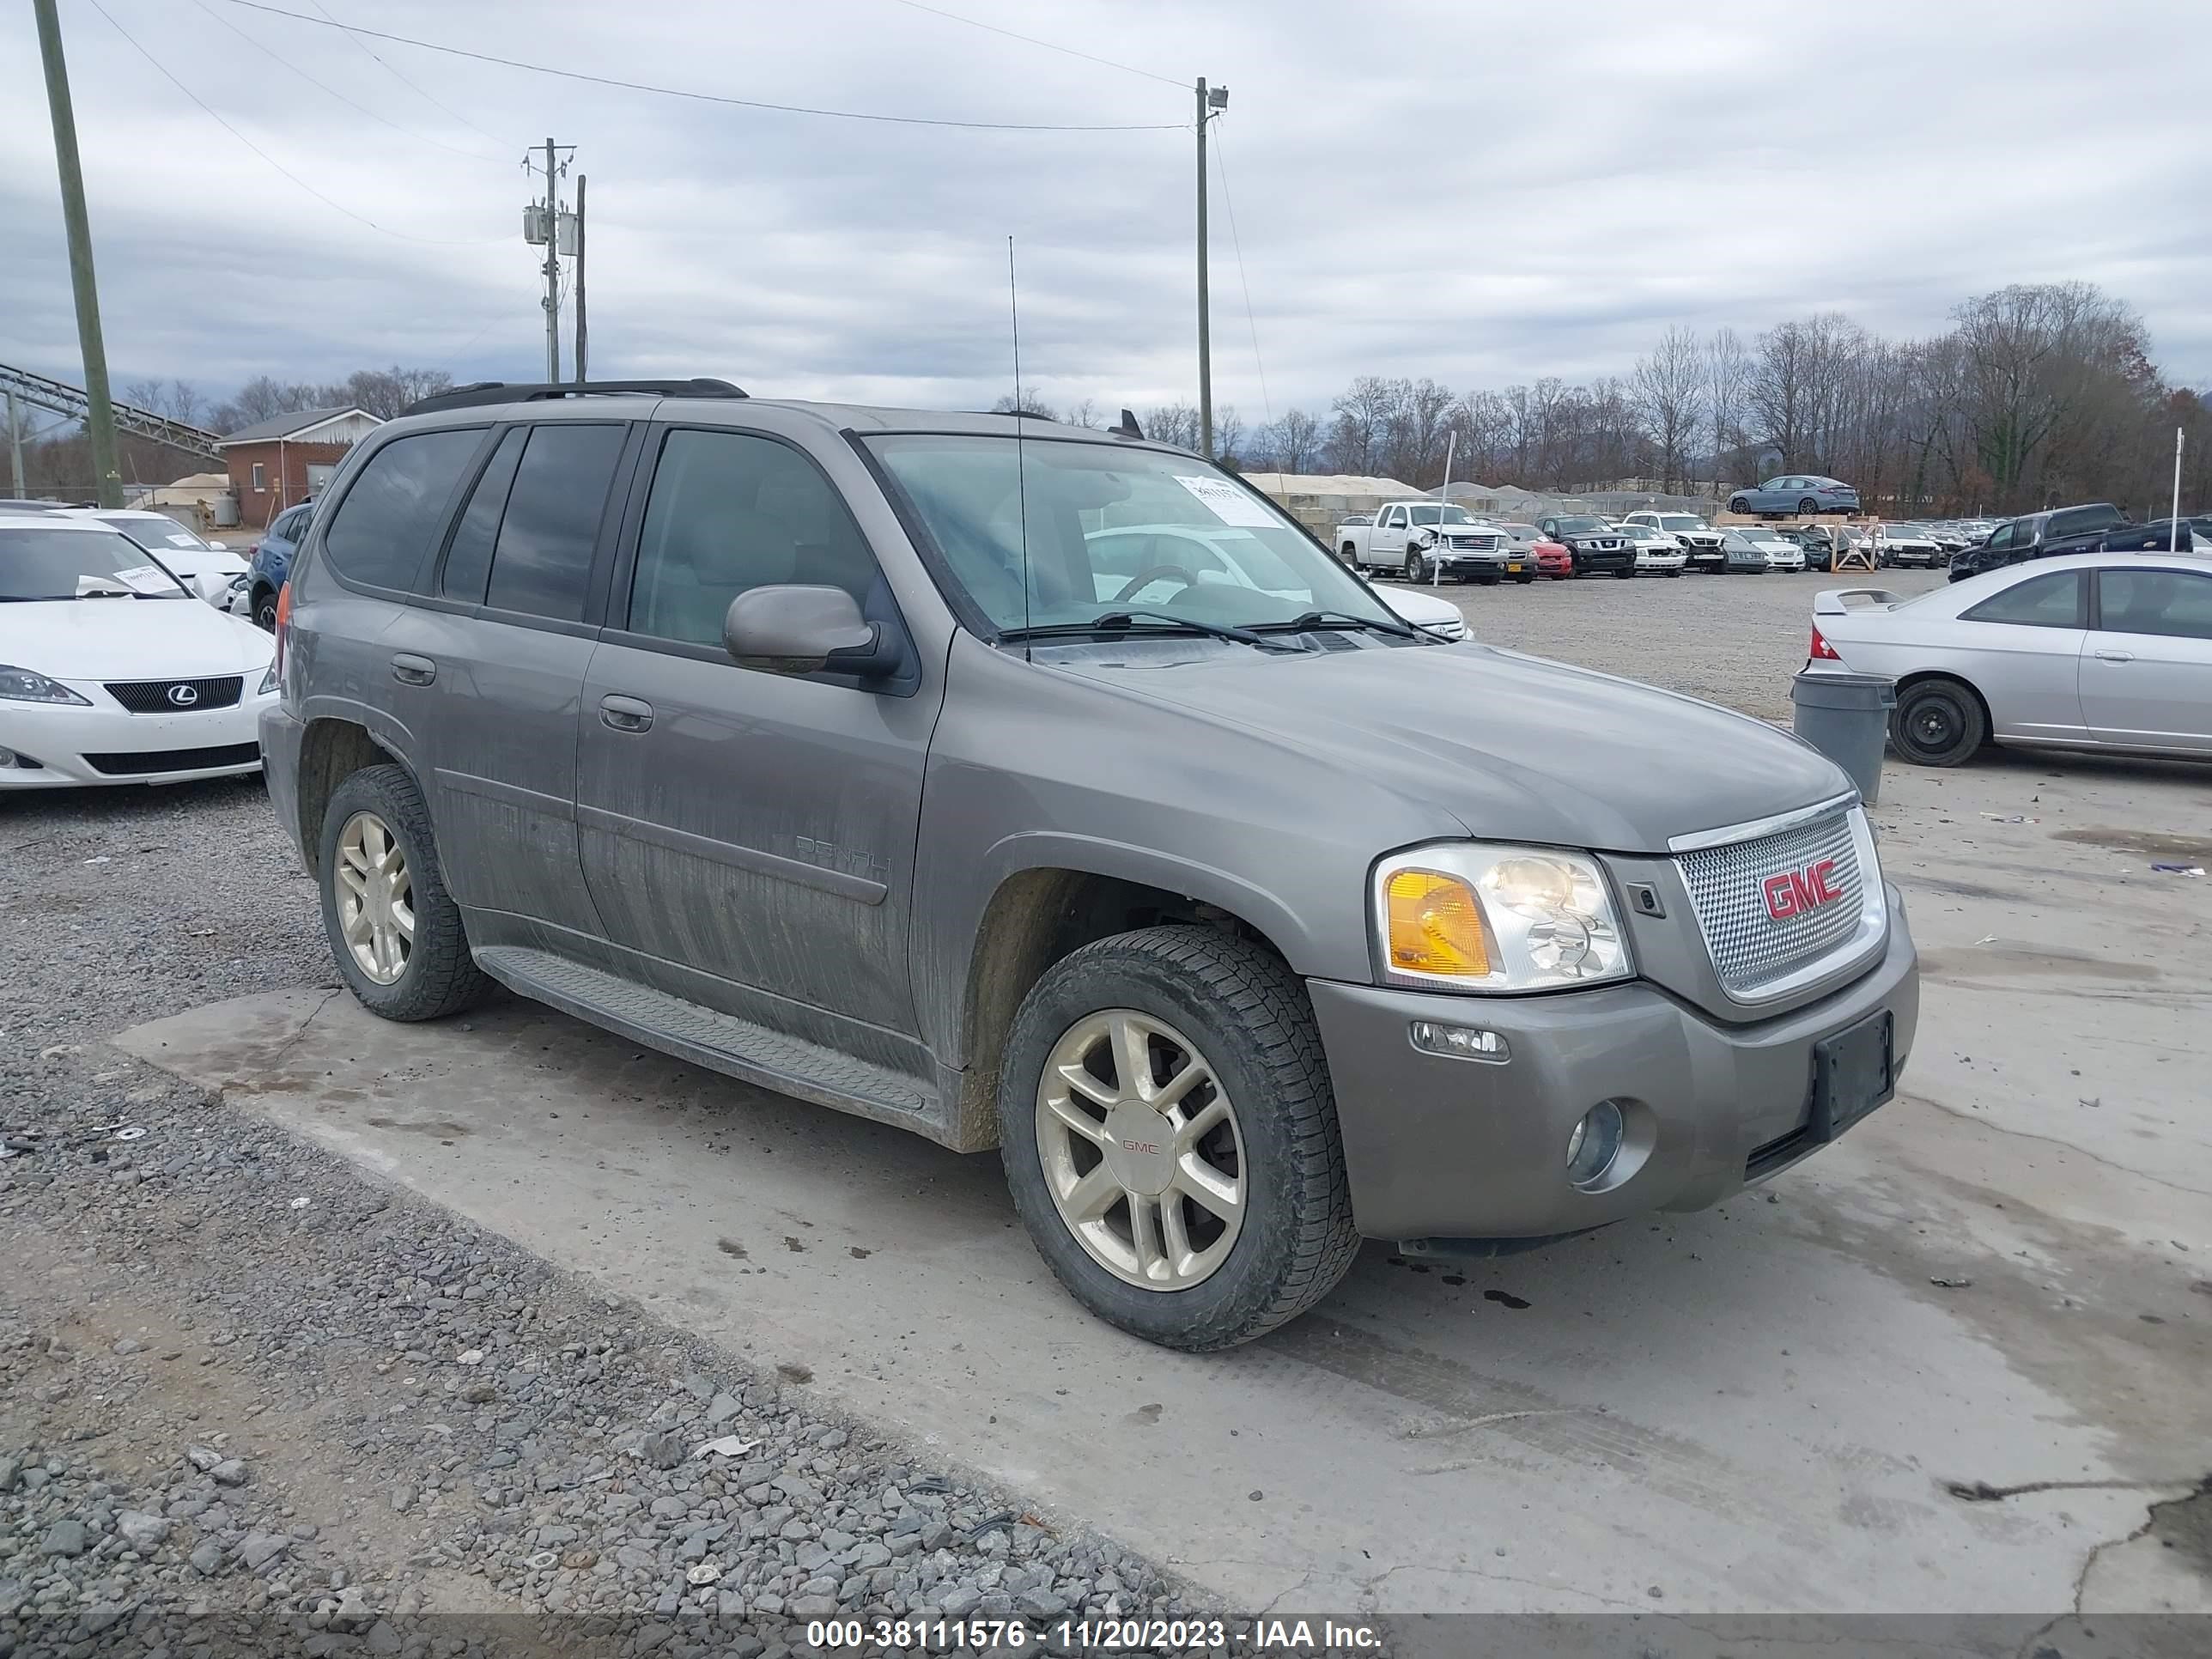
(1733, 639)
(250, 1401)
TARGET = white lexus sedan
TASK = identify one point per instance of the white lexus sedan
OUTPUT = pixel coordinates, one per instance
(110, 672)
(1657, 553)
(2109, 651)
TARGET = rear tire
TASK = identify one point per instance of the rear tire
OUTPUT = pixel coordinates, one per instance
(1523, 580)
(1809, 509)
(1938, 722)
(1235, 1007)
(434, 974)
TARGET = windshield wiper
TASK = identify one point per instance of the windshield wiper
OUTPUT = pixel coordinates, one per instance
(1308, 621)
(1125, 622)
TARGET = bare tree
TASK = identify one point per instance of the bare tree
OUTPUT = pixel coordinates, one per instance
(1670, 392)
(1229, 436)
(1728, 376)
(1085, 413)
(1173, 423)
(1294, 442)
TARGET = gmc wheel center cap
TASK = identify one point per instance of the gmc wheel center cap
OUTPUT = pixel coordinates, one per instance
(1141, 1148)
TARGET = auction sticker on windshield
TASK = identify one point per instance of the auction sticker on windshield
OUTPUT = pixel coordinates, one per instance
(1228, 503)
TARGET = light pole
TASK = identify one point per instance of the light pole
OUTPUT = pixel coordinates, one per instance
(1211, 100)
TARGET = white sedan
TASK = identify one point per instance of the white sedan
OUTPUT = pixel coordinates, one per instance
(1657, 553)
(1781, 553)
(2096, 651)
(110, 673)
(209, 568)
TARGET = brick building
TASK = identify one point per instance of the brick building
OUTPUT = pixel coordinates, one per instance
(287, 458)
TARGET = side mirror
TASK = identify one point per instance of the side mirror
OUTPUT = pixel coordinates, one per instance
(805, 630)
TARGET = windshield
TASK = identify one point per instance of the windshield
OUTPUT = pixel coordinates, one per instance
(1439, 515)
(1097, 529)
(1584, 526)
(166, 534)
(1680, 521)
(77, 565)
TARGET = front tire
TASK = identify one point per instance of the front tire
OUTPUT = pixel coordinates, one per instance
(1938, 722)
(1170, 1140)
(1417, 567)
(394, 931)
(1740, 505)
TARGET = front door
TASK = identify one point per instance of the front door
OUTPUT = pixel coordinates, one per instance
(750, 837)
(2026, 642)
(2146, 674)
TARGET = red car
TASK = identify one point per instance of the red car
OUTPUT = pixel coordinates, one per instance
(1551, 558)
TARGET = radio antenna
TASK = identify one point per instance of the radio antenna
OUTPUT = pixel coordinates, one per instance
(1021, 467)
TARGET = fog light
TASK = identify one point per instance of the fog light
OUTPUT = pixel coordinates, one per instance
(1594, 1143)
(1460, 1042)
(7, 758)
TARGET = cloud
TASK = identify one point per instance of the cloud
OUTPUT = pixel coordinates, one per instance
(1480, 193)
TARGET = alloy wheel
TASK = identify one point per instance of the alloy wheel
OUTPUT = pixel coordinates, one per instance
(1141, 1150)
(376, 897)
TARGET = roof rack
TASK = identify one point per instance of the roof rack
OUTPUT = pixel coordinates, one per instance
(501, 391)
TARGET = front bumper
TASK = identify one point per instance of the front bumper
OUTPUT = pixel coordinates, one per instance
(1438, 1147)
(75, 746)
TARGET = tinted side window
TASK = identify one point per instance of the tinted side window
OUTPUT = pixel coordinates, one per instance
(728, 513)
(468, 560)
(2000, 538)
(541, 563)
(2052, 601)
(2078, 520)
(393, 512)
(2174, 603)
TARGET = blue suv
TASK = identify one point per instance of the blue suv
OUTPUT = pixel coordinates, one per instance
(273, 562)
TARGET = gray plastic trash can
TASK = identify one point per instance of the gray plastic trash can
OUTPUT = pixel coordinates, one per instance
(1846, 717)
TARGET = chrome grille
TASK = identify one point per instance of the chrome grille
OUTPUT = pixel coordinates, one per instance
(1751, 949)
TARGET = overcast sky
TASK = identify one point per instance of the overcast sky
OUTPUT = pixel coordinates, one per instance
(1483, 191)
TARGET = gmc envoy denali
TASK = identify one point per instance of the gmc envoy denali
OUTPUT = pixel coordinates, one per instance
(1046, 789)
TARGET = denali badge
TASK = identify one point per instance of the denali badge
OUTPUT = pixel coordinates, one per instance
(1794, 892)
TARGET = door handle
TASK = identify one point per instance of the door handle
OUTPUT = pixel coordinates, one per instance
(2116, 656)
(412, 670)
(625, 714)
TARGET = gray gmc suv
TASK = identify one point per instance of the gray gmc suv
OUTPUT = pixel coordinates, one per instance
(911, 764)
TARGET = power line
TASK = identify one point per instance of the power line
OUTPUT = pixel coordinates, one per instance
(711, 97)
(272, 54)
(1221, 166)
(993, 28)
(362, 46)
(210, 110)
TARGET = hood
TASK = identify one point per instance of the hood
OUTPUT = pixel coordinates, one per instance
(130, 639)
(1514, 747)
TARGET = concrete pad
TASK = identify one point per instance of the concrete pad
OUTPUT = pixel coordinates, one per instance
(1755, 1409)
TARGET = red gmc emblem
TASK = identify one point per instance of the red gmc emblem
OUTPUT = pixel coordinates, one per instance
(1794, 892)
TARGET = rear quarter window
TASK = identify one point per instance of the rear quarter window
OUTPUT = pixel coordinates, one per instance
(390, 519)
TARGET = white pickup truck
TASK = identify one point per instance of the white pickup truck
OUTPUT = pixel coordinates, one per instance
(1420, 539)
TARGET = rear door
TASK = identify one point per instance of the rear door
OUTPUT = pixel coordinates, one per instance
(2147, 676)
(751, 836)
(495, 658)
(2021, 649)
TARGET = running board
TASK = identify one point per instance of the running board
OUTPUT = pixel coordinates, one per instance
(721, 1043)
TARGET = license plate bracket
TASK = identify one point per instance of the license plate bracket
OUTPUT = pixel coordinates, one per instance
(1854, 1071)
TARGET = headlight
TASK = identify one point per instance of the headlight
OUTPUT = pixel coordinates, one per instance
(21, 685)
(1470, 916)
(268, 680)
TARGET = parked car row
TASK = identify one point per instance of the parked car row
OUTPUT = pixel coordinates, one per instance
(1431, 540)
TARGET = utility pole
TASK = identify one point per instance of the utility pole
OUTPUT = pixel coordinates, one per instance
(100, 418)
(1205, 304)
(552, 267)
(16, 444)
(1211, 100)
(583, 336)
